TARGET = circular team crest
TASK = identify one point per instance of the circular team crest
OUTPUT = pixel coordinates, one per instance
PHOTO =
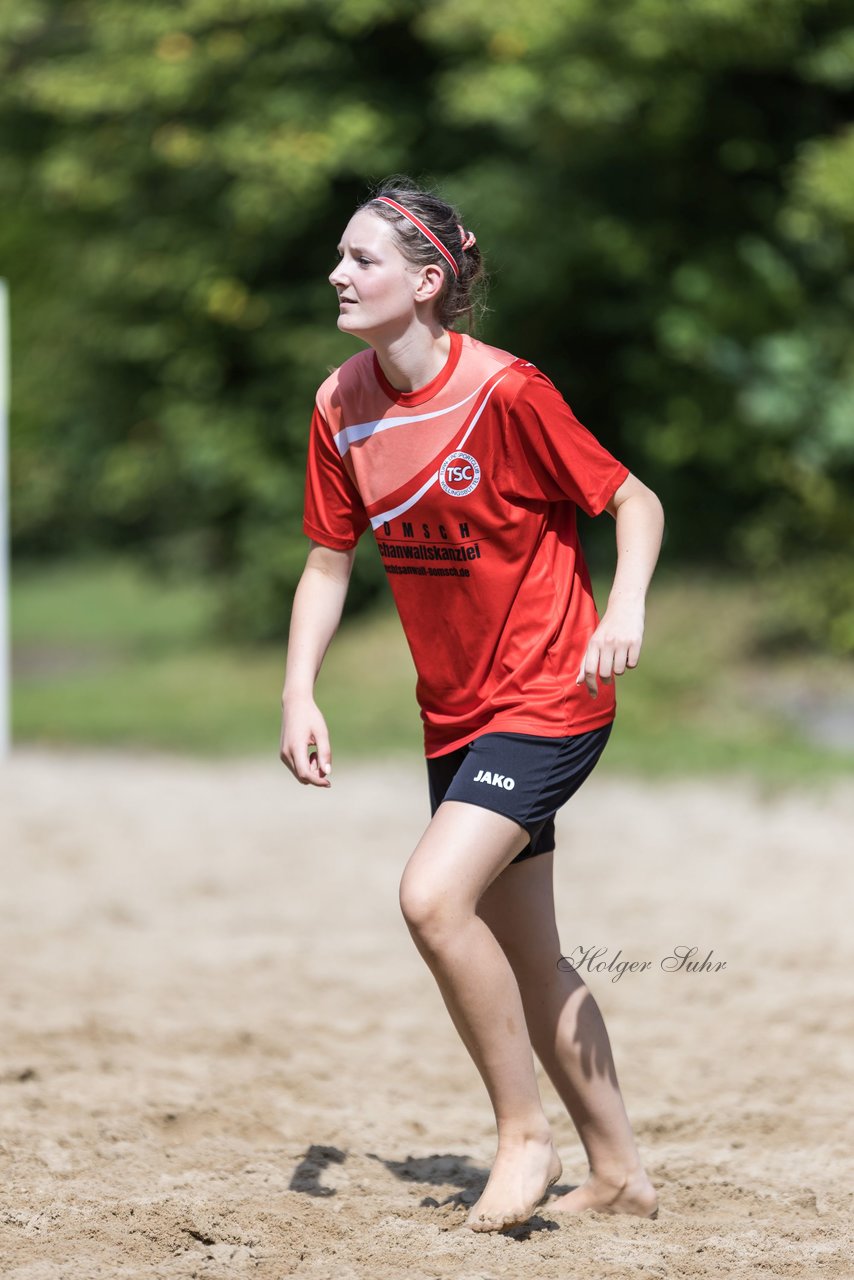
(459, 474)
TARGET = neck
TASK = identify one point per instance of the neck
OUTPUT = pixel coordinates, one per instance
(412, 359)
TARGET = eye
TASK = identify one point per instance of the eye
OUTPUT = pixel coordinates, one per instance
(364, 262)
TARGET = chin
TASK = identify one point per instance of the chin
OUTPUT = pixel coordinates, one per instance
(348, 324)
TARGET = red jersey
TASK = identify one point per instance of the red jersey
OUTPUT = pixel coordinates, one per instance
(470, 485)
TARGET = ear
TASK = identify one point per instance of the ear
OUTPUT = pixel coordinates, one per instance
(429, 283)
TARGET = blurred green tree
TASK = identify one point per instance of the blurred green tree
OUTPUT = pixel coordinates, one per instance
(664, 192)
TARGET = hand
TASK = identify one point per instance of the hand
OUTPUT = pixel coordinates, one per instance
(304, 744)
(614, 645)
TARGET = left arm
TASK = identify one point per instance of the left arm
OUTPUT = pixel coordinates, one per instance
(616, 642)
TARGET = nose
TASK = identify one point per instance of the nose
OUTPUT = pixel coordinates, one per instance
(337, 275)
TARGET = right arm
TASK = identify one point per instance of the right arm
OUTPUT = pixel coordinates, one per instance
(317, 608)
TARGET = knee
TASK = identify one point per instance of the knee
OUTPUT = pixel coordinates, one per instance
(425, 908)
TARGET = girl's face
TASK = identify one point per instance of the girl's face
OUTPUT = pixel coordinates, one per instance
(378, 290)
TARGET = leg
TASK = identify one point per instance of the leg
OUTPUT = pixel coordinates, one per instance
(569, 1037)
(463, 849)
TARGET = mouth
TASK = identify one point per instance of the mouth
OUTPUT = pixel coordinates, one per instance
(350, 300)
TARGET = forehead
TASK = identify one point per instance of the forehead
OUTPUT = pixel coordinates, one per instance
(366, 229)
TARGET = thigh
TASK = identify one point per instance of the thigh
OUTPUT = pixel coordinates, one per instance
(462, 851)
(518, 906)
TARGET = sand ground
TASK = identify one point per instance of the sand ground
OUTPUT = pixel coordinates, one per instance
(223, 1057)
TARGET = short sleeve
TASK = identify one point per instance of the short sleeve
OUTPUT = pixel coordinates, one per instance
(334, 514)
(552, 456)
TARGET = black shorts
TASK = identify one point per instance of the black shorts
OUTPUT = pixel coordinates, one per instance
(523, 776)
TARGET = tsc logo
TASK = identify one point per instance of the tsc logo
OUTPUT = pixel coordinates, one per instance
(496, 779)
(459, 474)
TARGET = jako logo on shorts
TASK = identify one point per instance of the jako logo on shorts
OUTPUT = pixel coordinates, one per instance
(459, 474)
(497, 779)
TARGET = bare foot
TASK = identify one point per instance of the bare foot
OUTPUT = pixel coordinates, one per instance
(521, 1175)
(632, 1194)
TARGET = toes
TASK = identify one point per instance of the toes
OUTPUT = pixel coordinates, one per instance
(503, 1223)
(483, 1224)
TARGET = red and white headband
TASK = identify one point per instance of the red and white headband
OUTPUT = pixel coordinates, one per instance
(466, 237)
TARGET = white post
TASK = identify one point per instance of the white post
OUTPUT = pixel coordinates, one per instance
(5, 662)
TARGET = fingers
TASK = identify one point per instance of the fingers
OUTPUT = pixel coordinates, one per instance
(304, 748)
(606, 658)
(633, 654)
(587, 670)
(304, 764)
(323, 756)
(619, 659)
(319, 766)
(309, 771)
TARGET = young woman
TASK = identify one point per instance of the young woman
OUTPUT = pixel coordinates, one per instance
(469, 465)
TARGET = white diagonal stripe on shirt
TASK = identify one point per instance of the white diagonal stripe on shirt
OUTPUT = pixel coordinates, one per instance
(362, 430)
(410, 502)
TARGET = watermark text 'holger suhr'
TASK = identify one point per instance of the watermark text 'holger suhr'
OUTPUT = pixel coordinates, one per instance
(680, 960)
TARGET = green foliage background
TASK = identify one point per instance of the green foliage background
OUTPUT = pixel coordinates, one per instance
(664, 191)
